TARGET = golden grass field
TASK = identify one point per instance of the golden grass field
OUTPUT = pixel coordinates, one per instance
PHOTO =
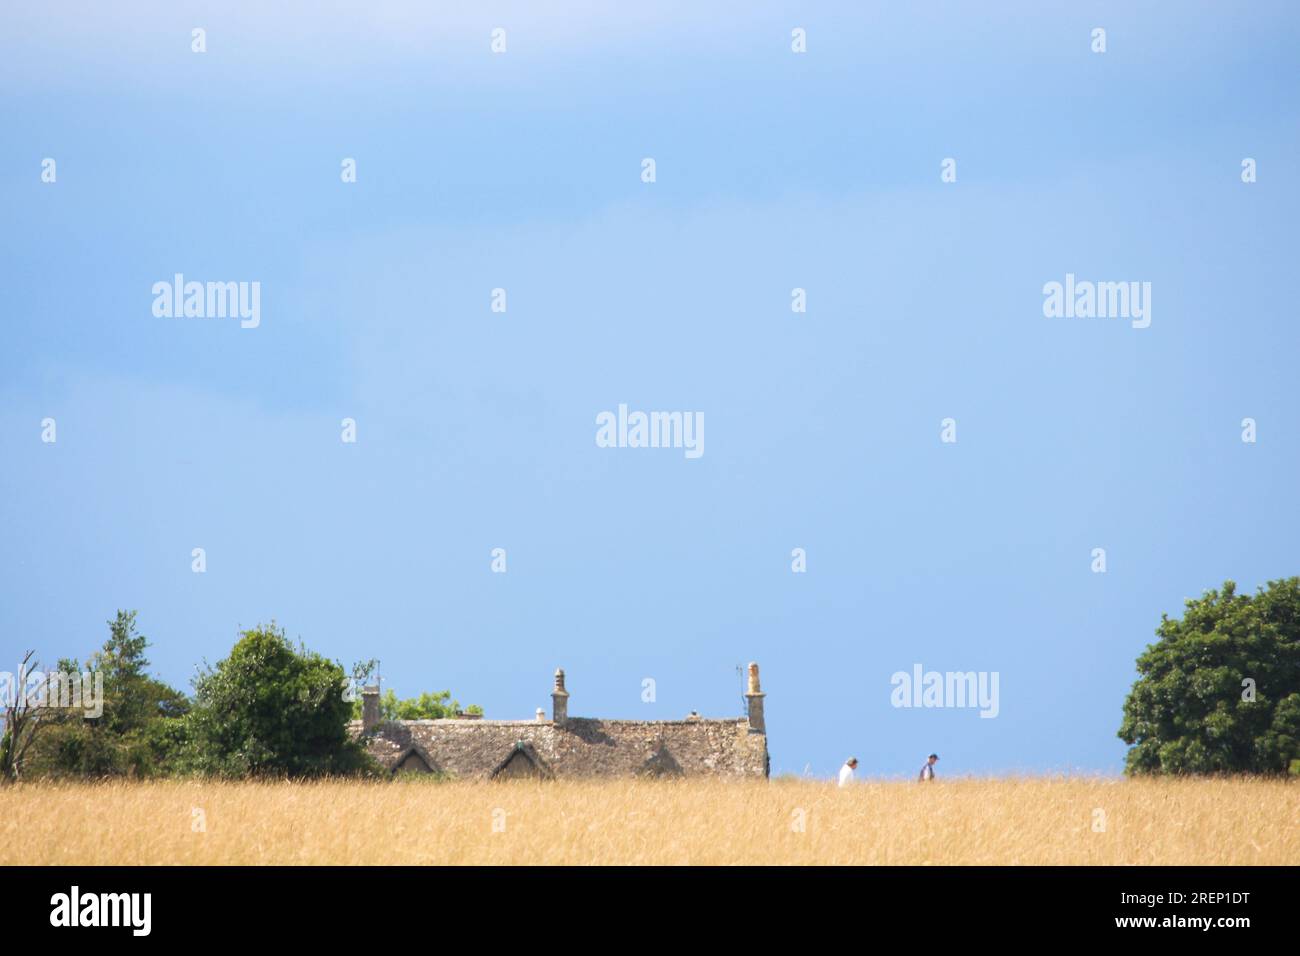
(1007, 821)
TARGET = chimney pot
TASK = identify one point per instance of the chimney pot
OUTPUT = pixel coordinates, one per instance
(754, 701)
(559, 699)
(369, 708)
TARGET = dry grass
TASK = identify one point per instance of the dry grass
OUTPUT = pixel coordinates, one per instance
(1039, 821)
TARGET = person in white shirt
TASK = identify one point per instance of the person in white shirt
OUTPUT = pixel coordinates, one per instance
(846, 772)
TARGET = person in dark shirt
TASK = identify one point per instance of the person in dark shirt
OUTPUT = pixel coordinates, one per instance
(927, 771)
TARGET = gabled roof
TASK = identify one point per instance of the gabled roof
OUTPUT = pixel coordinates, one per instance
(418, 751)
(522, 750)
(578, 747)
(661, 763)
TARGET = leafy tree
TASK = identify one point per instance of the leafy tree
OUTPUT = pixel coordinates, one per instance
(271, 709)
(1219, 692)
(131, 735)
(428, 705)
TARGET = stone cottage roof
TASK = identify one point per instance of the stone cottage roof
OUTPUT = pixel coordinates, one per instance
(570, 746)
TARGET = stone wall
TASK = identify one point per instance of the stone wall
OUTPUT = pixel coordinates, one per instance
(579, 747)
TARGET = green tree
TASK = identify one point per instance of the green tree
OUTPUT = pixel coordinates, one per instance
(427, 706)
(271, 709)
(134, 733)
(1219, 692)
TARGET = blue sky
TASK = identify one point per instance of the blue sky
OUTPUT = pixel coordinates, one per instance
(476, 429)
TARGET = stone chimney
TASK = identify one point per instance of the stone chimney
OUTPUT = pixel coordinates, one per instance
(754, 698)
(369, 707)
(541, 716)
(559, 699)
